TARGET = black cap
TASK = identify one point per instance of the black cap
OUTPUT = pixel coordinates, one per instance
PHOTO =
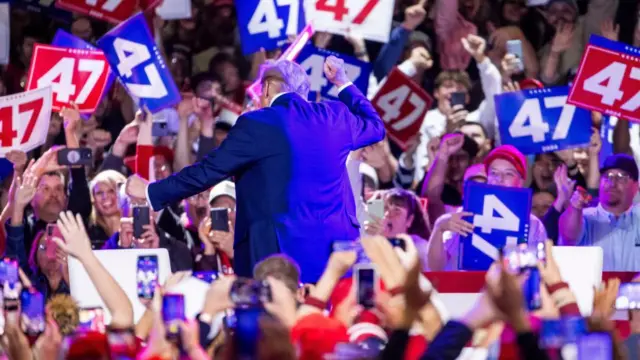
(622, 162)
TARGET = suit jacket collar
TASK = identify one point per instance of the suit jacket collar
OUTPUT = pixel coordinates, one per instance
(283, 98)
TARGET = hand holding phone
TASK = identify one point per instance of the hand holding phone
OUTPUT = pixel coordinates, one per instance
(375, 208)
(514, 47)
(52, 232)
(249, 293)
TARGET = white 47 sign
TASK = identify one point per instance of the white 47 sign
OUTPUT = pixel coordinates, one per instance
(314, 66)
(24, 120)
(487, 222)
(265, 18)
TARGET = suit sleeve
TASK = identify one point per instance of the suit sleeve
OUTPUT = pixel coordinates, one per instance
(241, 148)
(366, 126)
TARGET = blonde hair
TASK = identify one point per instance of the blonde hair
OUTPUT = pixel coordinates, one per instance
(111, 178)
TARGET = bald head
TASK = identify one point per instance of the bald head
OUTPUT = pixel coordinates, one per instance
(283, 76)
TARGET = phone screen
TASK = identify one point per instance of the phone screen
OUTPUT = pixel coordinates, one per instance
(9, 271)
(515, 47)
(595, 346)
(91, 319)
(250, 293)
(207, 276)
(32, 318)
(628, 297)
(141, 217)
(147, 276)
(458, 98)
(220, 219)
(173, 314)
(366, 278)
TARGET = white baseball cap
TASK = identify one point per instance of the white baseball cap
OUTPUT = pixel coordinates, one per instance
(226, 187)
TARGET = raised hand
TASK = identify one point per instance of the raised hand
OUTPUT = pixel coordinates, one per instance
(510, 65)
(475, 46)
(563, 39)
(76, 241)
(414, 15)
(136, 188)
(19, 160)
(98, 139)
(340, 262)
(610, 30)
(421, 58)
(450, 144)
(25, 189)
(334, 71)
(595, 144)
(564, 186)
(71, 118)
(283, 304)
(223, 240)
(48, 162)
(454, 222)
(356, 40)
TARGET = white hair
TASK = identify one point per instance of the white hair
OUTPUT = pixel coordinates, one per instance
(293, 77)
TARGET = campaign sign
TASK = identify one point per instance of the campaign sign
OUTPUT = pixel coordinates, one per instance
(113, 11)
(268, 23)
(255, 89)
(608, 80)
(66, 40)
(501, 217)
(370, 19)
(24, 120)
(134, 56)
(312, 61)
(402, 105)
(539, 120)
(75, 75)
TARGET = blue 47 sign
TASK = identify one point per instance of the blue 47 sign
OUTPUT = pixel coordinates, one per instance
(267, 23)
(540, 120)
(133, 55)
(312, 61)
(500, 216)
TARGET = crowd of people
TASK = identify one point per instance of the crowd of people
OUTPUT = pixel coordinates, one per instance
(581, 197)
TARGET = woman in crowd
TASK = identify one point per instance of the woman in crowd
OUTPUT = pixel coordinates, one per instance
(403, 214)
(105, 215)
(48, 264)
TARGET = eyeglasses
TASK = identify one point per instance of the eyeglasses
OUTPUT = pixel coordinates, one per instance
(615, 178)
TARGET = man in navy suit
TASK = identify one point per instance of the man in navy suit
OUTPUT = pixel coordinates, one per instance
(288, 160)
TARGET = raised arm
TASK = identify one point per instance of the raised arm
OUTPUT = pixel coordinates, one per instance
(366, 126)
(243, 145)
(76, 243)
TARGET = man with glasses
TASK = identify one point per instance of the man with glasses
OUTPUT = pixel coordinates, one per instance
(505, 166)
(613, 225)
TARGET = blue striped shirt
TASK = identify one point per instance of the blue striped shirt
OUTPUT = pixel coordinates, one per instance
(619, 237)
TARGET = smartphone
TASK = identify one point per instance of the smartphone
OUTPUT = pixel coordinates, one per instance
(458, 98)
(365, 281)
(91, 319)
(147, 276)
(173, 314)
(375, 208)
(159, 128)
(32, 319)
(52, 248)
(141, 217)
(628, 297)
(595, 346)
(207, 276)
(396, 242)
(71, 157)
(9, 271)
(515, 47)
(249, 293)
(220, 219)
(523, 258)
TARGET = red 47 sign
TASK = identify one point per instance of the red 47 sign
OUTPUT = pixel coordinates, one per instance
(74, 75)
(113, 11)
(24, 120)
(608, 79)
(402, 105)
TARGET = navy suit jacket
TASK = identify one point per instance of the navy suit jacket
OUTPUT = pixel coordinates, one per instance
(293, 191)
